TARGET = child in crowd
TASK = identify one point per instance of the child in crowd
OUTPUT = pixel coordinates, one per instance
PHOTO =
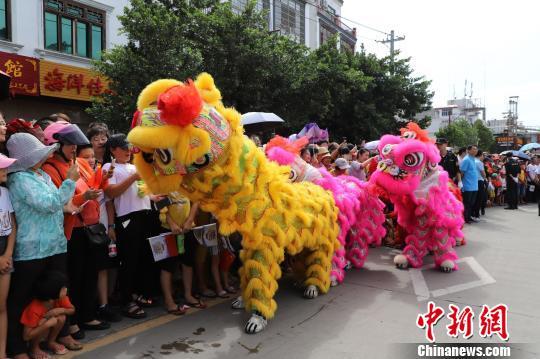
(179, 219)
(201, 219)
(104, 261)
(45, 316)
(7, 243)
(133, 226)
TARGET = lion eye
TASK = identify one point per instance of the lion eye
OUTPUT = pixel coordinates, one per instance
(413, 159)
(387, 149)
(409, 135)
(202, 161)
(293, 175)
(164, 156)
(148, 157)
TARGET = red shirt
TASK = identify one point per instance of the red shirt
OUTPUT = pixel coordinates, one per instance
(35, 311)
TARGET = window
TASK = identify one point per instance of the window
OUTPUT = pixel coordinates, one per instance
(289, 17)
(5, 20)
(73, 28)
(446, 112)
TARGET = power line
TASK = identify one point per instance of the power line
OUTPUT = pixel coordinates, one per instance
(365, 26)
(243, 3)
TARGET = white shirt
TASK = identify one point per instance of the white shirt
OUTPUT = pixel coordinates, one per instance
(129, 201)
(357, 170)
(532, 171)
(5, 212)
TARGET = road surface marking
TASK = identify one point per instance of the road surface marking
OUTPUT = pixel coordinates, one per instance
(423, 293)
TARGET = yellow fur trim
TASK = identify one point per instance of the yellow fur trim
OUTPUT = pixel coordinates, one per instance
(151, 92)
(208, 90)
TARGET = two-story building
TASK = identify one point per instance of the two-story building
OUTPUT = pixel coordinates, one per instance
(47, 47)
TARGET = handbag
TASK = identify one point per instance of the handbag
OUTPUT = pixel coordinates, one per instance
(96, 234)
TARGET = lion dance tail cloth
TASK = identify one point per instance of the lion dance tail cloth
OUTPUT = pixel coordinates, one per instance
(192, 144)
(426, 208)
(361, 216)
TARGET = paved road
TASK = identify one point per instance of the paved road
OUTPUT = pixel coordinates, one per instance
(375, 306)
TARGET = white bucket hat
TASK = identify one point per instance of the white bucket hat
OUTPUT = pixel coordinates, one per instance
(27, 150)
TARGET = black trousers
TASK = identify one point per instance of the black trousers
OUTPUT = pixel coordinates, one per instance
(20, 295)
(537, 196)
(511, 193)
(82, 274)
(137, 266)
(469, 199)
(481, 199)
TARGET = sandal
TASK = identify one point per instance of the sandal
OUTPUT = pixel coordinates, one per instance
(223, 294)
(71, 345)
(198, 305)
(59, 350)
(209, 293)
(74, 347)
(145, 302)
(179, 310)
(230, 289)
(132, 310)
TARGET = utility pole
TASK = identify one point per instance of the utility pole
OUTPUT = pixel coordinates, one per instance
(391, 39)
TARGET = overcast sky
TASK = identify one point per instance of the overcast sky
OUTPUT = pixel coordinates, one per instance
(493, 44)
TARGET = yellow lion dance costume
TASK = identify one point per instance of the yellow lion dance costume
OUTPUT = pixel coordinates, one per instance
(187, 141)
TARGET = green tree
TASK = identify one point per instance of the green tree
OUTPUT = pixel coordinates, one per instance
(459, 133)
(354, 95)
(486, 141)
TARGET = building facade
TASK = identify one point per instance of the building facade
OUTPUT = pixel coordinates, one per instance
(466, 108)
(47, 47)
(311, 22)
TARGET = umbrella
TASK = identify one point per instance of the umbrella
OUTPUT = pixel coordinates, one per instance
(5, 80)
(516, 154)
(372, 146)
(261, 121)
(313, 133)
(529, 146)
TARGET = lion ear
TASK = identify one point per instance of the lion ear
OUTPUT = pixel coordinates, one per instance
(151, 92)
(207, 88)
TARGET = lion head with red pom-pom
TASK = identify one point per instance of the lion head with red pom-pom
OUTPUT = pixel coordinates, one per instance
(179, 129)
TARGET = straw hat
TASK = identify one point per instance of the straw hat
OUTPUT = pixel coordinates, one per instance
(27, 150)
(321, 151)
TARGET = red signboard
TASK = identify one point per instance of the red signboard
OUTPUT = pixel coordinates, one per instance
(24, 72)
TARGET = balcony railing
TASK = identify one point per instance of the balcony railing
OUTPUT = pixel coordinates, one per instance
(336, 20)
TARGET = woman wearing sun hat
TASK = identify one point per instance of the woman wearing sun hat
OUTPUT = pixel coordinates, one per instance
(40, 243)
(7, 241)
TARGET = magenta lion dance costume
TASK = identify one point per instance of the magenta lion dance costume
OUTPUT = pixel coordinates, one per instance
(360, 215)
(427, 210)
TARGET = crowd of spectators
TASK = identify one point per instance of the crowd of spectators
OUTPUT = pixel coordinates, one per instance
(74, 226)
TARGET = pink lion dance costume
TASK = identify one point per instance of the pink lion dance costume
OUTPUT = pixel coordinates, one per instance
(427, 210)
(360, 215)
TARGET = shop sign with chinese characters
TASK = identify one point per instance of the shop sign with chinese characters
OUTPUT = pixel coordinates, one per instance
(74, 83)
(24, 72)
